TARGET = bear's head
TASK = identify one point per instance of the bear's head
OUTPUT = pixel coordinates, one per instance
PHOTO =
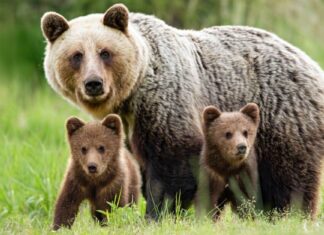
(231, 135)
(95, 60)
(95, 146)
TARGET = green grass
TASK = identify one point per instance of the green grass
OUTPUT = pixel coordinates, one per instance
(33, 156)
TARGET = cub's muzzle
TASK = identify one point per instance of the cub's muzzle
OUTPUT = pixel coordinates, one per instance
(241, 149)
(92, 168)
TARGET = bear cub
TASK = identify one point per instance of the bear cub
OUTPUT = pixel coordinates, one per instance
(229, 157)
(100, 170)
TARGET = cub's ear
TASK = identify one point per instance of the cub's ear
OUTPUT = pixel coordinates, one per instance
(73, 124)
(117, 17)
(210, 113)
(114, 123)
(53, 25)
(252, 110)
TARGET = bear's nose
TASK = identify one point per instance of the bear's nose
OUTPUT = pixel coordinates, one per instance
(92, 167)
(93, 86)
(241, 148)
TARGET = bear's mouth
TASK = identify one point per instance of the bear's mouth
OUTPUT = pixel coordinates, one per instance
(93, 100)
(240, 156)
(92, 174)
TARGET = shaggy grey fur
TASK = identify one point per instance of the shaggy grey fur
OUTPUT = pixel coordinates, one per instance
(229, 67)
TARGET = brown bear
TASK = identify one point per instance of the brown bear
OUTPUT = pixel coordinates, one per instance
(100, 170)
(229, 156)
(159, 79)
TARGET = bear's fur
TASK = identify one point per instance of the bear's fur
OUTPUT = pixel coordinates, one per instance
(159, 79)
(229, 156)
(100, 170)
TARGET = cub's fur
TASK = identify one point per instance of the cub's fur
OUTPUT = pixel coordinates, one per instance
(100, 170)
(229, 156)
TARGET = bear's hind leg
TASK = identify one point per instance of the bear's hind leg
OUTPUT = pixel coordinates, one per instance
(311, 196)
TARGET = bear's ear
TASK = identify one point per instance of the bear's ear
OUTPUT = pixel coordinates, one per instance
(114, 123)
(210, 113)
(252, 110)
(117, 17)
(73, 124)
(53, 25)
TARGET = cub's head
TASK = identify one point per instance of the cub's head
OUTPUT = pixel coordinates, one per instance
(94, 60)
(95, 145)
(231, 134)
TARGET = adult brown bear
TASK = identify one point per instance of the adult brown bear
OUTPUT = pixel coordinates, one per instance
(159, 79)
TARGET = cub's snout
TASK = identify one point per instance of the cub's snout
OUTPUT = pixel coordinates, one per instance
(241, 149)
(92, 168)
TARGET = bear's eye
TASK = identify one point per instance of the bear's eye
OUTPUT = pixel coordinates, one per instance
(228, 135)
(105, 56)
(76, 59)
(83, 150)
(101, 149)
(245, 133)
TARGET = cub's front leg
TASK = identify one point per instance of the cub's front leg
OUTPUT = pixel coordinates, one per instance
(219, 196)
(245, 197)
(102, 202)
(67, 204)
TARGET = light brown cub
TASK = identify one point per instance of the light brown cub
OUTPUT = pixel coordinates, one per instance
(100, 170)
(228, 155)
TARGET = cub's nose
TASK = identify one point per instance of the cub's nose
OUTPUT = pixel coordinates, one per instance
(92, 167)
(93, 86)
(241, 148)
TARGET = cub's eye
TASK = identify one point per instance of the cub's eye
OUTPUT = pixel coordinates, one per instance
(245, 133)
(101, 149)
(83, 150)
(228, 135)
(76, 59)
(105, 56)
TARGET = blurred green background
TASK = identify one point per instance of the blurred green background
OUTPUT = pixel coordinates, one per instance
(297, 21)
(33, 150)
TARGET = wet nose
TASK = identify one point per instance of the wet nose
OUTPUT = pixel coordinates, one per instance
(92, 167)
(241, 148)
(93, 86)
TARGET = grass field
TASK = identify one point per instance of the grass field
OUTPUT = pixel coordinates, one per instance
(33, 157)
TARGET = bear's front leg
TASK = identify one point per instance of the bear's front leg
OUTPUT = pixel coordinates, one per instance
(67, 204)
(154, 195)
(169, 185)
(169, 151)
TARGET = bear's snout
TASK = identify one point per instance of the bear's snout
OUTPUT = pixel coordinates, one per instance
(92, 167)
(94, 86)
(241, 149)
